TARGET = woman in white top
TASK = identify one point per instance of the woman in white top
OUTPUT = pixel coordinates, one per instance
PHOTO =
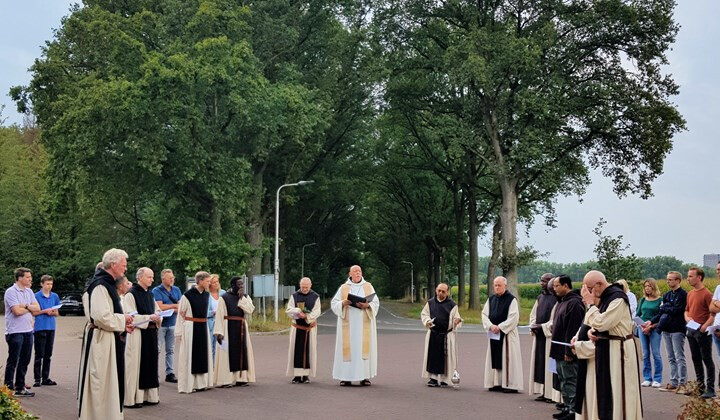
(215, 293)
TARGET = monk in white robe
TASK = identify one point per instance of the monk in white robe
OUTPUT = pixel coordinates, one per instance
(303, 308)
(102, 380)
(540, 377)
(617, 361)
(194, 359)
(356, 337)
(234, 359)
(141, 347)
(441, 318)
(503, 361)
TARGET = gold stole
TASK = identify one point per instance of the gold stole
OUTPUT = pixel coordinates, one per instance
(344, 290)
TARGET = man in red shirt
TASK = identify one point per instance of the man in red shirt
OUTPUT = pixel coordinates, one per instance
(699, 318)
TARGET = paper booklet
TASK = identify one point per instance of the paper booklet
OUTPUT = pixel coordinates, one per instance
(692, 325)
(712, 329)
(166, 313)
(638, 321)
(561, 343)
(493, 336)
(137, 324)
(552, 365)
(56, 306)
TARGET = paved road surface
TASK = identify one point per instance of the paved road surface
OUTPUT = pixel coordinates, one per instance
(397, 393)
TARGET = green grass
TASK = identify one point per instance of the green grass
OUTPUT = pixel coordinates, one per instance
(412, 311)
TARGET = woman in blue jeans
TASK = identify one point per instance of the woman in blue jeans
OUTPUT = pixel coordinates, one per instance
(647, 308)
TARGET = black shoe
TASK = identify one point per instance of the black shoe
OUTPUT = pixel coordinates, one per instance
(345, 383)
(151, 403)
(433, 383)
(305, 380)
(134, 406)
(171, 378)
(560, 406)
(238, 383)
(495, 389)
(570, 416)
(443, 384)
(24, 393)
(509, 391)
(48, 382)
(37, 384)
(365, 382)
(296, 380)
(561, 414)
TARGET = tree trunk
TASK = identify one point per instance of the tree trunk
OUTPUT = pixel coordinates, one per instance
(460, 246)
(254, 235)
(430, 273)
(474, 301)
(508, 219)
(494, 255)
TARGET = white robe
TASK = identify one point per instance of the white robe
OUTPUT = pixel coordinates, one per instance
(223, 375)
(553, 393)
(133, 342)
(357, 368)
(310, 318)
(511, 375)
(188, 382)
(451, 362)
(101, 396)
(617, 322)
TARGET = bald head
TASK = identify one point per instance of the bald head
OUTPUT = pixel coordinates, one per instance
(596, 282)
(500, 285)
(355, 274)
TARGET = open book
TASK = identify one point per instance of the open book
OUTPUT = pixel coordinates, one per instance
(355, 299)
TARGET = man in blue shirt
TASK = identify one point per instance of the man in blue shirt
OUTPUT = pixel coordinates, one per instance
(167, 297)
(44, 330)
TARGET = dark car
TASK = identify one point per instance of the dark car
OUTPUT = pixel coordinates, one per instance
(71, 304)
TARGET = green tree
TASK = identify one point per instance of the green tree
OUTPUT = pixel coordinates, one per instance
(610, 258)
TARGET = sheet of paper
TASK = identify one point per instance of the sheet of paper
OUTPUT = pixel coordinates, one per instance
(166, 313)
(133, 313)
(638, 321)
(137, 324)
(562, 343)
(551, 365)
(224, 345)
(56, 306)
(493, 336)
(692, 325)
(712, 329)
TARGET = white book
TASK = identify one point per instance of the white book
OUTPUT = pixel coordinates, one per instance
(692, 325)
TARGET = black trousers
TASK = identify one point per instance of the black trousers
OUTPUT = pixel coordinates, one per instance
(19, 353)
(43, 352)
(701, 351)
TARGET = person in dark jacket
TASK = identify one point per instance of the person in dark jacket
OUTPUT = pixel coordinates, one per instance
(568, 318)
(670, 321)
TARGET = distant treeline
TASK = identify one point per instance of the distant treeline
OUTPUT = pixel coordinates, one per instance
(656, 267)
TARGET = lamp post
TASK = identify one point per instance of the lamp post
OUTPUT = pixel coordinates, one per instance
(302, 260)
(277, 238)
(412, 281)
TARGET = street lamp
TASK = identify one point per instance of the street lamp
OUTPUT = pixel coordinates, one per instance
(302, 260)
(412, 281)
(277, 238)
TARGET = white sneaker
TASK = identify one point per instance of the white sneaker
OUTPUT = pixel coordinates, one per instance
(656, 384)
(646, 383)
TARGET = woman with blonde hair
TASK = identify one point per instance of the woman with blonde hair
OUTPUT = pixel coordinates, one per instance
(631, 296)
(648, 307)
(215, 292)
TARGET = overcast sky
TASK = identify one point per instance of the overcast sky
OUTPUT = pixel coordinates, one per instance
(682, 219)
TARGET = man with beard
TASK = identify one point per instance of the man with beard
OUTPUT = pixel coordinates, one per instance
(101, 394)
(441, 318)
(356, 307)
(503, 361)
(234, 361)
(540, 377)
(304, 308)
(567, 320)
(141, 355)
(617, 363)
(194, 363)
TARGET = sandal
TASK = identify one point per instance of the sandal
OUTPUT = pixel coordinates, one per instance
(345, 383)
(365, 382)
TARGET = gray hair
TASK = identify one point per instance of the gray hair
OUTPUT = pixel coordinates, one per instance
(113, 256)
(165, 271)
(504, 280)
(141, 271)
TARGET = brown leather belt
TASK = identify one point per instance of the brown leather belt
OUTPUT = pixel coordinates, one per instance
(234, 318)
(615, 337)
(196, 319)
(302, 327)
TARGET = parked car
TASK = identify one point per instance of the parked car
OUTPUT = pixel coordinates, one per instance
(71, 304)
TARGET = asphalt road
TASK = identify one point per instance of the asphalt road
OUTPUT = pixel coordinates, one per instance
(398, 392)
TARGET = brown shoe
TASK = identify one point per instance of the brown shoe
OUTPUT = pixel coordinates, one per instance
(668, 388)
(681, 389)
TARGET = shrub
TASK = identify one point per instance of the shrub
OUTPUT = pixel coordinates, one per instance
(697, 408)
(10, 407)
